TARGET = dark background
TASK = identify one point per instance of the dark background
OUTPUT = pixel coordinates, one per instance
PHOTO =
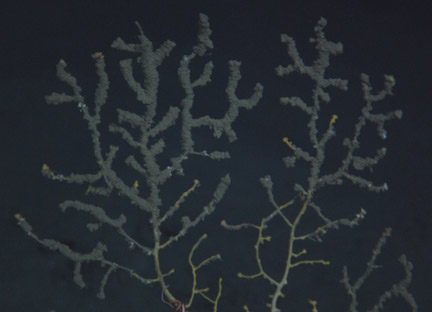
(379, 37)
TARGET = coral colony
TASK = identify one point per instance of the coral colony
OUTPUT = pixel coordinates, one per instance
(143, 134)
